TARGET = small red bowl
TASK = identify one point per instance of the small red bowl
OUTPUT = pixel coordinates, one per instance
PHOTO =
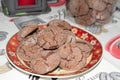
(59, 3)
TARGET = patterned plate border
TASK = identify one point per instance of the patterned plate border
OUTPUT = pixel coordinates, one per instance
(82, 34)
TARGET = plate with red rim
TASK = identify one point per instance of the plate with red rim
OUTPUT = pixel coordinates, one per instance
(113, 46)
(92, 61)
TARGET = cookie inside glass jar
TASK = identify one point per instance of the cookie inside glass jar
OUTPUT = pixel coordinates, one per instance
(88, 12)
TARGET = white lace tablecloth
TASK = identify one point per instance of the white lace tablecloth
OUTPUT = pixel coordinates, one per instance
(108, 64)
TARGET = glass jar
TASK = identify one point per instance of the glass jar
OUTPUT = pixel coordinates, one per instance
(88, 12)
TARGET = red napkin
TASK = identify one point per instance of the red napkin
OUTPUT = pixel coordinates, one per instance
(113, 46)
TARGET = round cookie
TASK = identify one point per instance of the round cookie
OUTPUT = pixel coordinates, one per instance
(46, 62)
(72, 57)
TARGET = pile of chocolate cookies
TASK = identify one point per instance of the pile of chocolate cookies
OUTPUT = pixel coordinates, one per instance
(88, 12)
(45, 49)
